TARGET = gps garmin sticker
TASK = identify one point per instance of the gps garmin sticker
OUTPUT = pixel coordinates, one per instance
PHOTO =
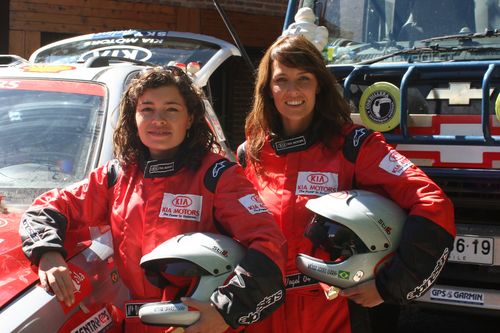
(379, 107)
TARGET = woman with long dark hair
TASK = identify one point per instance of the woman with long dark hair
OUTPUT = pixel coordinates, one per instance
(301, 144)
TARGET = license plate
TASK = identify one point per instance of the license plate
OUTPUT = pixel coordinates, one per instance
(471, 249)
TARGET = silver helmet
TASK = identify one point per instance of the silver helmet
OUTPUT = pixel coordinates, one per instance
(206, 259)
(359, 229)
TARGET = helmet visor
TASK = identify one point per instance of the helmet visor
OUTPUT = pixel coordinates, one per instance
(179, 267)
(177, 272)
(336, 239)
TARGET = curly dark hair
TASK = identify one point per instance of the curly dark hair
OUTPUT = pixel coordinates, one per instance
(127, 145)
(331, 110)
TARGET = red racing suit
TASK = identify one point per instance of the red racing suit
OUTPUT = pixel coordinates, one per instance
(139, 203)
(296, 170)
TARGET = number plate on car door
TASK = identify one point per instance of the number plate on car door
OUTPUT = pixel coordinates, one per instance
(472, 249)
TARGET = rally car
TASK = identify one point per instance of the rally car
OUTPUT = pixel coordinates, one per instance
(57, 114)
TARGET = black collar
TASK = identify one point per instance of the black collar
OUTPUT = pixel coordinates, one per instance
(161, 168)
(284, 145)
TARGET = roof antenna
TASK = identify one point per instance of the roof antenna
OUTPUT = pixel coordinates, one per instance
(235, 36)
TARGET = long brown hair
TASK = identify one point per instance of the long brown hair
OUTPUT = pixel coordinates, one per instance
(331, 111)
(127, 146)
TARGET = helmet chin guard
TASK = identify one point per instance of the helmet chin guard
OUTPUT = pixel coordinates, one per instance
(359, 229)
(200, 262)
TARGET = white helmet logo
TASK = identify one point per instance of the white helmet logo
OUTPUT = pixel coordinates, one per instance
(357, 276)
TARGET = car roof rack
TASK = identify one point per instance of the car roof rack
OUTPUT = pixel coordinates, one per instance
(104, 61)
(11, 60)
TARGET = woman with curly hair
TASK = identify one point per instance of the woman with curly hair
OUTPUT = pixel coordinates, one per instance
(165, 153)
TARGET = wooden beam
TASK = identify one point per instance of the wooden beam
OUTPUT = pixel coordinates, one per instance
(249, 28)
(4, 26)
(188, 19)
(16, 43)
(51, 12)
(102, 4)
(79, 25)
(32, 42)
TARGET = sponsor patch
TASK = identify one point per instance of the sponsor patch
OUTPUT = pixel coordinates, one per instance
(29, 230)
(422, 288)
(384, 226)
(121, 50)
(253, 204)
(316, 183)
(395, 163)
(99, 322)
(157, 169)
(181, 206)
(285, 145)
(359, 133)
(456, 296)
(218, 167)
(132, 309)
(268, 301)
(298, 280)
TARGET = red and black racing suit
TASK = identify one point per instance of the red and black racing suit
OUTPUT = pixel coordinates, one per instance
(139, 203)
(298, 169)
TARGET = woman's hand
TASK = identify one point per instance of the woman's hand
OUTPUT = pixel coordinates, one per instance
(54, 274)
(210, 320)
(365, 294)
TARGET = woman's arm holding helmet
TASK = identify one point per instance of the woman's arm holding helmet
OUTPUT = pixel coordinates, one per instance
(428, 232)
(257, 287)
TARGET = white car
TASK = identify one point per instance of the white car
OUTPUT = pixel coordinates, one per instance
(57, 114)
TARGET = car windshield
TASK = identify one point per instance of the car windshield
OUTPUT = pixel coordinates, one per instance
(412, 30)
(48, 129)
(149, 46)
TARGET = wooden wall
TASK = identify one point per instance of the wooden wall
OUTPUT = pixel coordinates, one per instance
(30, 18)
(257, 22)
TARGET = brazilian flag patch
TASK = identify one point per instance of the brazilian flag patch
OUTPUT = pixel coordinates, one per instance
(344, 275)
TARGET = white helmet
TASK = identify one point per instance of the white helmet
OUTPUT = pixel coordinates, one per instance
(206, 259)
(359, 229)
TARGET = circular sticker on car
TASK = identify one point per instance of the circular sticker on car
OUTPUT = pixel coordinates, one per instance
(497, 107)
(379, 106)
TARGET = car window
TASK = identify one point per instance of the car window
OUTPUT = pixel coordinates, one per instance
(48, 131)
